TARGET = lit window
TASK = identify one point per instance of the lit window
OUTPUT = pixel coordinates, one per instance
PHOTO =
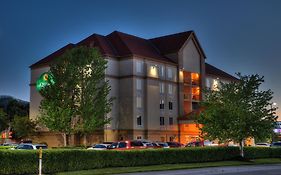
(153, 71)
(162, 121)
(215, 86)
(139, 84)
(139, 122)
(162, 87)
(170, 89)
(139, 67)
(170, 73)
(161, 104)
(139, 105)
(171, 120)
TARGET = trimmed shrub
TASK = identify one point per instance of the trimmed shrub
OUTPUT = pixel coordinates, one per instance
(262, 152)
(58, 160)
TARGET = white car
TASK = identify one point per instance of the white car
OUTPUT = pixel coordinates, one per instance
(31, 146)
(262, 144)
(99, 147)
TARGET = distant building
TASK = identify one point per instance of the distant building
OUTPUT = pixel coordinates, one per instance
(157, 84)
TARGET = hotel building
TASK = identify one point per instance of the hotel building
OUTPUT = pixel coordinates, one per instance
(157, 84)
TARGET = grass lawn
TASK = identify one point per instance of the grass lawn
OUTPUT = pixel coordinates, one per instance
(118, 170)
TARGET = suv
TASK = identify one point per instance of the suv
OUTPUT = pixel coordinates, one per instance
(276, 144)
(31, 146)
(125, 145)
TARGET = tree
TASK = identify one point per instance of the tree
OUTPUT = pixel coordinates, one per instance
(238, 110)
(77, 100)
(4, 120)
(23, 127)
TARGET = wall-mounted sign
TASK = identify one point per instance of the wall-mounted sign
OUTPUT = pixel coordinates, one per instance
(44, 80)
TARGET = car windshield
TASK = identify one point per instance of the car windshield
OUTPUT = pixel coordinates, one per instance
(99, 146)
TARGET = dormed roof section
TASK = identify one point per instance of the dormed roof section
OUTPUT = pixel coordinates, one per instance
(47, 60)
(127, 45)
(100, 42)
(215, 72)
(171, 43)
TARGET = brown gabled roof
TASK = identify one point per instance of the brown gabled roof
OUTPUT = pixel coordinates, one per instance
(100, 42)
(47, 60)
(118, 44)
(133, 45)
(215, 72)
(173, 43)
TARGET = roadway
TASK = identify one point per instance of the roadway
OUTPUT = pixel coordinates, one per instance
(273, 169)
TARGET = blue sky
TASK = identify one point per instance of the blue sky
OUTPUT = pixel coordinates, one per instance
(236, 35)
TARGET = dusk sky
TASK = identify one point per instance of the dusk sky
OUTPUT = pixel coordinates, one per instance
(237, 36)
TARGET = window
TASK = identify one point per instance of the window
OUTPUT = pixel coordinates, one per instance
(170, 105)
(139, 67)
(162, 121)
(122, 145)
(139, 84)
(138, 137)
(171, 139)
(170, 73)
(171, 120)
(162, 87)
(170, 89)
(139, 105)
(139, 121)
(161, 104)
(162, 71)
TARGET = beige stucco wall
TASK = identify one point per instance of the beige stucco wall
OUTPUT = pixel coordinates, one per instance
(191, 57)
(35, 97)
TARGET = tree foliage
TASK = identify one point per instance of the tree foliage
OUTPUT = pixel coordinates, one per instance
(238, 110)
(4, 120)
(23, 127)
(78, 100)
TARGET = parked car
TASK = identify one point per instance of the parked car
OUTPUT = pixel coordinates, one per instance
(99, 147)
(163, 144)
(276, 144)
(175, 144)
(195, 144)
(30, 146)
(262, 144)
(126, 145)
(210, 143)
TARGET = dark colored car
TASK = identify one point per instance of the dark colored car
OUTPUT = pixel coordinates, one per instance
(195, 144)
(174, 144)
(276, 144)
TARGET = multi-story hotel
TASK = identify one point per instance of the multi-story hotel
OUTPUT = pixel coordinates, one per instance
(157, 85)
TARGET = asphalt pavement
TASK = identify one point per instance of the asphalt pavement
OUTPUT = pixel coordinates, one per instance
(273, 169)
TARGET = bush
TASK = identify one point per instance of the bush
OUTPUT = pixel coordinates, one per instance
(58, 160)
(6, 147)
(262, 152)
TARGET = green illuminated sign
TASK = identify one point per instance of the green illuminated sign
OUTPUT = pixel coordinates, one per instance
(44, 80)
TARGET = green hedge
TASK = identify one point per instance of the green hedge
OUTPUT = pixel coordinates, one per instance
(262, 152)
(6, 147)
(58, 160)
